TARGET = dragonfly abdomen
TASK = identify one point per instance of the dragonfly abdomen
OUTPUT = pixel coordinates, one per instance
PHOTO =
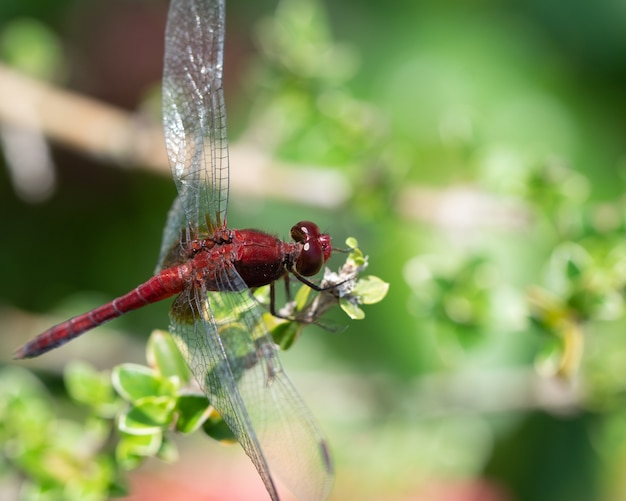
(161, 286)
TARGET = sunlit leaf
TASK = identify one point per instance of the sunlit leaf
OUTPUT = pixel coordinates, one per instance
(302, 296)
(262, 294)
(192, 411)
(164, 356)
(352, 242)
(131, 450)
(216, 428)
(356, 257)
(285, 333)
(370, 290)
(351, 309)
(32, 47)
(168, 451)
(90, 387)
(134, 382)
(147, 415)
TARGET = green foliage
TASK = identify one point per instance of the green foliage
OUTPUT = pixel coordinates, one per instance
(156, 403)
(303, 72)
(30, 46)
(47, 457)
(69, 460)
(302, 90)
(366, 290)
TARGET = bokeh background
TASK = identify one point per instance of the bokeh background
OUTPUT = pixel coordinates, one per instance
(474, 148)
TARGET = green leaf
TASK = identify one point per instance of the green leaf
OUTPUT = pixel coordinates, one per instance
(352, 243)
(216, 428)
(118, 487)
(192, 411)
(370, 290)
(90, 387)
(262, 294)
(164, 356)
(302, 296)
(168, 451)
(31, 47)
(134, 382)
(132, 449)
(351, 308)
(285, 333)
(550, 355)
(147, 415)
(356, 257)
(573, 270)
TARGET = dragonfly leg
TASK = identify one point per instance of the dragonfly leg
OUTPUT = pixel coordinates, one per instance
(273, 310)
(314, 286)
(289, 303)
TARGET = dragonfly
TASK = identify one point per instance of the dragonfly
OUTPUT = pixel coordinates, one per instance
(211, 269)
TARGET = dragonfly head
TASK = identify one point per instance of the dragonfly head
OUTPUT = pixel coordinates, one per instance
(316, 247)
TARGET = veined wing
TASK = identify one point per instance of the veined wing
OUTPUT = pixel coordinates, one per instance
(174, 225)
(194, 115)
(234, 359)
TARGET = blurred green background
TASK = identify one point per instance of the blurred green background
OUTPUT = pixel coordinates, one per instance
(478, 149)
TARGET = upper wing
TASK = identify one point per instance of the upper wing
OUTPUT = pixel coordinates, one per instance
(234, 359)
(194, 115)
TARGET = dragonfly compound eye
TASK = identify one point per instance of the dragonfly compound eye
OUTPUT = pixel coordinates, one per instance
(316, 247)
(304, 231)
(311, 258)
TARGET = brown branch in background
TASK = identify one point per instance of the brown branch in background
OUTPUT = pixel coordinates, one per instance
(460, 208)
(130, 141)
(79, 122)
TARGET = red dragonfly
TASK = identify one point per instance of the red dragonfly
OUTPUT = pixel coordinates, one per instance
(217, 323)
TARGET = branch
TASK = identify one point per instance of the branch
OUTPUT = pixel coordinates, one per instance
(130, 141)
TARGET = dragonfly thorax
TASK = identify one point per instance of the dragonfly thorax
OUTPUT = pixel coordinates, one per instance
(261, 258)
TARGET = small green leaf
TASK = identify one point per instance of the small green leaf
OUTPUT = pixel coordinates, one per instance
(90, 387)
(356, 257)
(285, 333)
(132, 449)
(118, 487)
(573, 270)
(550, 355)
(351, 309)
(262, 294)
(352, 242)
(164, 356)
(370, 290)
(216, 428)
(126, 459)
(134, 382)
(31, 47)
(168, 451)
(147, 415)
(192, 411)
(302, 296)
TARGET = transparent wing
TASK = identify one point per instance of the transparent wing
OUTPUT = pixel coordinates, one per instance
(194, 115)
(222, 335)
(173, 238)
(233, 358)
